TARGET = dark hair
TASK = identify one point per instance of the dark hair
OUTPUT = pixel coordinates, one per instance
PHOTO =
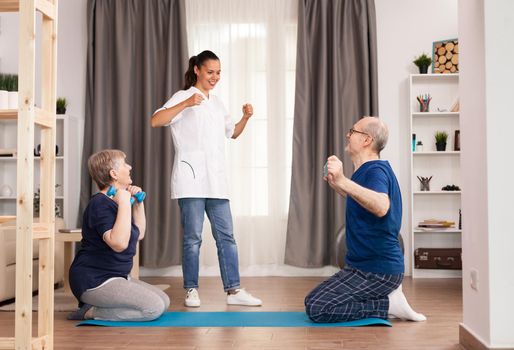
(197, 61)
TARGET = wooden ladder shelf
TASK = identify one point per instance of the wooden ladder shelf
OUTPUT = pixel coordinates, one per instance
(27, 117)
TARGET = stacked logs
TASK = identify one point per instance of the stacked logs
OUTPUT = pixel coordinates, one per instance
(446, 57)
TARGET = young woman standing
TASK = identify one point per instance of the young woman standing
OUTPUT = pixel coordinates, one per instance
(199, 123)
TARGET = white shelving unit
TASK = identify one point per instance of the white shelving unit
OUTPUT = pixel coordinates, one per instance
(443, 166)
(67, 167)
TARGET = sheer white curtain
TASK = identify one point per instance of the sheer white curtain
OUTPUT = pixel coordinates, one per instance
(256, 43)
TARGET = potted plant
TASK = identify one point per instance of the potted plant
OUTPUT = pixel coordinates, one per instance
(61, 105)
(440, 140)
(422, 61)
(11, 83)
(4, 94)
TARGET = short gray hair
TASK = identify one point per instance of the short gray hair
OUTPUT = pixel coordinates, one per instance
(101, 163)
(379, 132)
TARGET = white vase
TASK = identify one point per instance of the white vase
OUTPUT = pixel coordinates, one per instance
(13, 99)
(4, 99)
(5, 191)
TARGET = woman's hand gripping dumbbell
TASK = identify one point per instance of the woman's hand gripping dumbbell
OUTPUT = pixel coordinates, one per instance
(138, 196)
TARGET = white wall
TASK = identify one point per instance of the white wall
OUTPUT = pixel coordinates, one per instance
(486, 89)
(72, 52)
(474, 146)
(405, 29)
(499, 25)
(8, 43)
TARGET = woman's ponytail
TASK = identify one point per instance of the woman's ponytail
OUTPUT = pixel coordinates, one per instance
(190, 76)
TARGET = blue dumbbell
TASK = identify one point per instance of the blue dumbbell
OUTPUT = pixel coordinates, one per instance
(139, 197)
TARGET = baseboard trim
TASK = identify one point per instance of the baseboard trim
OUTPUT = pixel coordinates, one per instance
(470, 341)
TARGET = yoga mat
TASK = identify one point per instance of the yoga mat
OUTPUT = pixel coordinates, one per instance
(235, 319)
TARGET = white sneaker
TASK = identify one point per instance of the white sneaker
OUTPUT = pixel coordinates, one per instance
(242, 297)
(192, 298)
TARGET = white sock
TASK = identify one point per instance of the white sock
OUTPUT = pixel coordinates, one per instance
(400, 308)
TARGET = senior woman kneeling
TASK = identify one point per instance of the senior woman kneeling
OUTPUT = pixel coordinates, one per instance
(111, 229)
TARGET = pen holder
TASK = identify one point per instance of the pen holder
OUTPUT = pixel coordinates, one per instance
(424, 106)
(424, 183)
(424, 102)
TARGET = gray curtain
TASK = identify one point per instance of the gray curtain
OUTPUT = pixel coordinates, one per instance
(336, 84)
(137, 56)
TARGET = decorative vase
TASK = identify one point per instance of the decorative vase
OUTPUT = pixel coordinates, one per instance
(59, 110)
(424, 107)
(37, 150)
(4, 99)
(423, 69)
(456, 143)
(13, 99)
(440, 146)
(5, 191)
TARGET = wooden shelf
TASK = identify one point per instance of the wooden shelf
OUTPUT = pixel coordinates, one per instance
(35, 158)
(26, 229)
(435, 114)
(7, 218)
(12, 114)
(442, 230)
(435, 76)
(42, 118)
(9, 5)
(14, 197)
(435, 153)
(429, 193)
(8, 114)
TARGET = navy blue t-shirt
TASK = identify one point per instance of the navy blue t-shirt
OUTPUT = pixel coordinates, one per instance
(372, 242)
(96, 262)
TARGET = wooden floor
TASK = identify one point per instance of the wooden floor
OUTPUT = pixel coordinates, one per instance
(440, 300)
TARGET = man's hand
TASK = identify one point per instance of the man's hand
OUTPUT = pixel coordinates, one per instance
(194, 100)
(335, 172)
(247, 111)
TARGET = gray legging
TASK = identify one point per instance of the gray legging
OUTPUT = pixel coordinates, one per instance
(126, 300)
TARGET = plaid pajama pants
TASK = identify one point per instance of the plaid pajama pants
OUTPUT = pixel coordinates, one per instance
(351, 294)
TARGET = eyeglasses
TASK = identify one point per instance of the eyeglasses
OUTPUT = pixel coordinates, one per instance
(352, 131)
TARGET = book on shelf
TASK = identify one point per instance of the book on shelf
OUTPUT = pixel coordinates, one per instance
(432, 223)
(436, 229)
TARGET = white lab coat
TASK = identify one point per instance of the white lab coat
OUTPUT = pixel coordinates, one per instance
(199, 138)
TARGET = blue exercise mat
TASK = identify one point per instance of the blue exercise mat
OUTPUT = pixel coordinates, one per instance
(235, 319)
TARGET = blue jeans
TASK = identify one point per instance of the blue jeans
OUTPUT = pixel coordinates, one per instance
(218, 211)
